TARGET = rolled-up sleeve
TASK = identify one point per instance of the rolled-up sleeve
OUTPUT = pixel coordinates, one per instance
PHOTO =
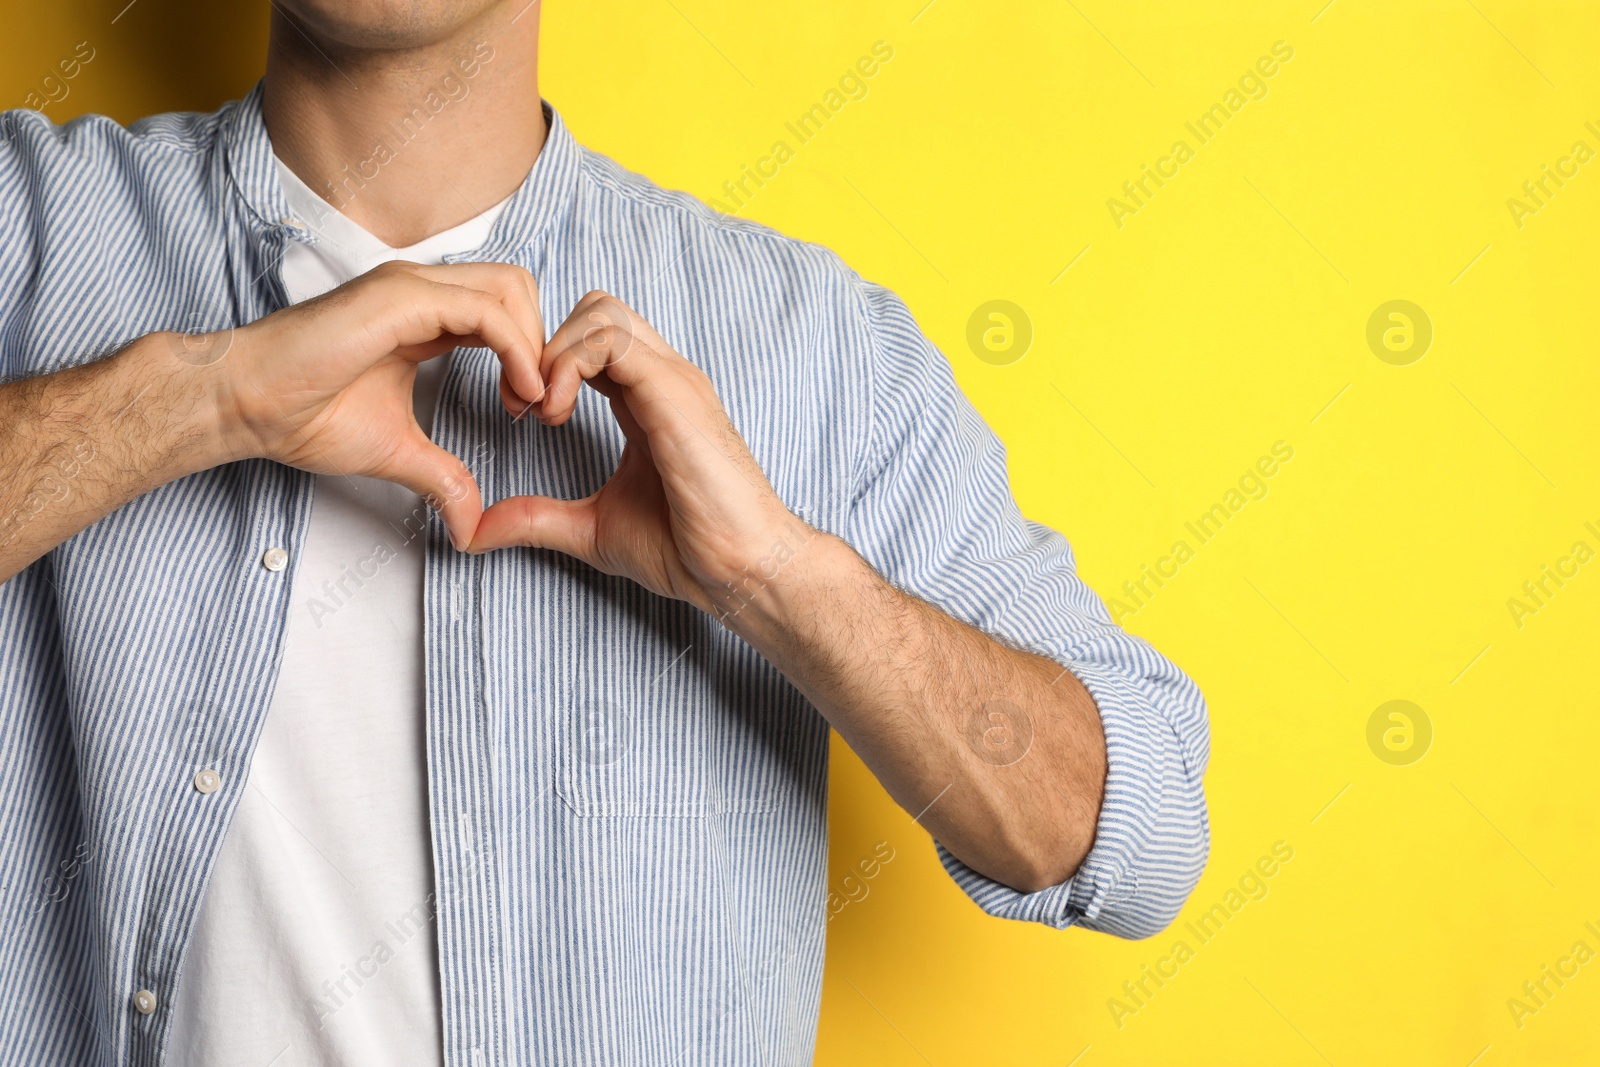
(933, 512)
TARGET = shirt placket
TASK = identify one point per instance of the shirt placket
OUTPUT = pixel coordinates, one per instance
(462, 772)
(211, 743)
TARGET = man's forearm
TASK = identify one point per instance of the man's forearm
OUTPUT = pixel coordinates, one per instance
(1001, 750)
(78, 444)
(324, 385)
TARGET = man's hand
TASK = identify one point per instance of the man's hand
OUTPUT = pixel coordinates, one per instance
(324, 386)
(688, 513)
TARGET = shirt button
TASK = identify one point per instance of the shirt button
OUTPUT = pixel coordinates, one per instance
(144, 1002)
(208, 781)
(274, 559)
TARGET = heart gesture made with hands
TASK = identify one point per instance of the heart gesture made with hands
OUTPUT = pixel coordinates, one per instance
(688, 511)
(326, 386)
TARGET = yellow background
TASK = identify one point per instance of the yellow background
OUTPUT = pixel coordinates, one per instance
(1229, 313)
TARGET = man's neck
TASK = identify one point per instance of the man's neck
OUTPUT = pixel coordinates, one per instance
(408, 143)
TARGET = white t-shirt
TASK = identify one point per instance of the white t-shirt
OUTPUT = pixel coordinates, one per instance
(316, 943)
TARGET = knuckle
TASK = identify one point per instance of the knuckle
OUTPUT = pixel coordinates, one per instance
(394, 268)
(481, 302)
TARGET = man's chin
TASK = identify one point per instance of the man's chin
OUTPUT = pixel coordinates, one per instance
(366, 25)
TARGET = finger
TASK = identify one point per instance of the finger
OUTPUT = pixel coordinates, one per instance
(514, 404)
(575, 325)
(602, 335)
(471, 312)
(580, 348)
(517, 291)
(420, 306)
(612, 331)
(421, 353)
(670, 384)
(418, 312)
(599, 326)
(566, 375)
(443, 482)
(539, 522)
(631, 430)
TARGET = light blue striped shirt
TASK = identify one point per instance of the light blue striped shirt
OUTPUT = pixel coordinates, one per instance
(630, 860)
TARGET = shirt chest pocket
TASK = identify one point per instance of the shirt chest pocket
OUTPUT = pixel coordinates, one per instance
(646, 732)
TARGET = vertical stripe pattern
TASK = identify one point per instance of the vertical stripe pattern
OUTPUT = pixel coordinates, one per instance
(628, 804)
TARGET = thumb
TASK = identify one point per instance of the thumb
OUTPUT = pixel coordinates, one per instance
(567, 526)
(443, 482)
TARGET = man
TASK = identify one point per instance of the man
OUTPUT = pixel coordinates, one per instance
(297, 771)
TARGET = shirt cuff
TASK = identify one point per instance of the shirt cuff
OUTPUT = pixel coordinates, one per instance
(1139, 741)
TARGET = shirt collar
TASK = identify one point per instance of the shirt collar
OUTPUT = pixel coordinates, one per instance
(545, 195)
